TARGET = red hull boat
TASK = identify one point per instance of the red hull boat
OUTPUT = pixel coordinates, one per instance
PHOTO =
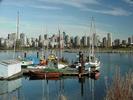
(95, 75)
(44, 75)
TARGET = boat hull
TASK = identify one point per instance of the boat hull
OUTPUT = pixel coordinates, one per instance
(61, 66)
(95, 65)
(44, 75)
(95, 75)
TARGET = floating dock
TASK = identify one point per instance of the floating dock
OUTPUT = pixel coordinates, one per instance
(64, 73)
(69, 73)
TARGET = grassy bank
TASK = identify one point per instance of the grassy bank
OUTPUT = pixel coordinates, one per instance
(121, 87)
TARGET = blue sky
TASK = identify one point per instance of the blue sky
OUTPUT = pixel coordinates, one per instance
(72, 16)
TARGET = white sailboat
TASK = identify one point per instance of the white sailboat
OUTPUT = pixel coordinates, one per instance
(61, 63)
(57, 61)
(24, 62)
(92, 60)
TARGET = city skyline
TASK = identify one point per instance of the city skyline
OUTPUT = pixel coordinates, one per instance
(65, 41)
(72, 16)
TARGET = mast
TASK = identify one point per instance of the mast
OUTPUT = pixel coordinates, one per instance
(46, 41)
(18, 25)
(17, 35)
(60, 51)
(93, 32)
(42, 49)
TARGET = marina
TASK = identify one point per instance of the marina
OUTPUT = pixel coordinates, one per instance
(75, 87)
(46, 69)
(66, 50)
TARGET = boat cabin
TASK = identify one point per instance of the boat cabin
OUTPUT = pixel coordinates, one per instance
(9, 68)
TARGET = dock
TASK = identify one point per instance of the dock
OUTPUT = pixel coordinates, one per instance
(52, 72)
(15, 76)
(65, 73)
(69, 73)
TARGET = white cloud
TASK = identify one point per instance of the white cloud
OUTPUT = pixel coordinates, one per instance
(112, 11)
(81, 4)
(45, 7)
(74, 3)
(30, 3)
(129, 1)
(117, 12)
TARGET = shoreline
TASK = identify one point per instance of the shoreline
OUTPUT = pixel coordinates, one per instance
(83, 50)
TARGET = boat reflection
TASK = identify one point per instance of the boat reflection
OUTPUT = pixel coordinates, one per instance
(62, 95)
(88, 83)
(60, 89)
(10, 89)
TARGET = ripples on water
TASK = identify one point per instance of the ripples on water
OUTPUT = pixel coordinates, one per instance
(70, 88)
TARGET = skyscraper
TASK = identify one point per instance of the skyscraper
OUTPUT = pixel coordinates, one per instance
(104, 42)
(45, 37)
(77, 41)
(67, 40)
(132, 38)
(109, 40)
(95, 40)
(129, 40)
(84, 40)
(22, 39)
(117, 42)
(12, 36)
(88, 41)
(123, 43)
(64, 35)
(2, 41)
(72, 41)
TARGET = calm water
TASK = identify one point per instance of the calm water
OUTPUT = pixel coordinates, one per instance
(68, 88)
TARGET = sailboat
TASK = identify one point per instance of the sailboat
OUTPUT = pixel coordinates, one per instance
(57, 61)
(61, 62)
(92, 60)
(24, 62)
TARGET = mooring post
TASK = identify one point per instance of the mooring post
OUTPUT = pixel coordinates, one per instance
(82, 81)
(81, 61)
(79, 56)
(37, 54)
(25, 55)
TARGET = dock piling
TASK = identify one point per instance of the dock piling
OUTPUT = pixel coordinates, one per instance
(25, 55)
(37, 54)
(81, 60)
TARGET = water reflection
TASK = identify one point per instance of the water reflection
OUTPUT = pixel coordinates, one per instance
(9, 90)
(87, 86)
(70, 88)
(67, 88)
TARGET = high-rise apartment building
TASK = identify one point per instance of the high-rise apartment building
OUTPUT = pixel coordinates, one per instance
(77, 41)
(22, 39)
(109, 40)
(104, 42)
